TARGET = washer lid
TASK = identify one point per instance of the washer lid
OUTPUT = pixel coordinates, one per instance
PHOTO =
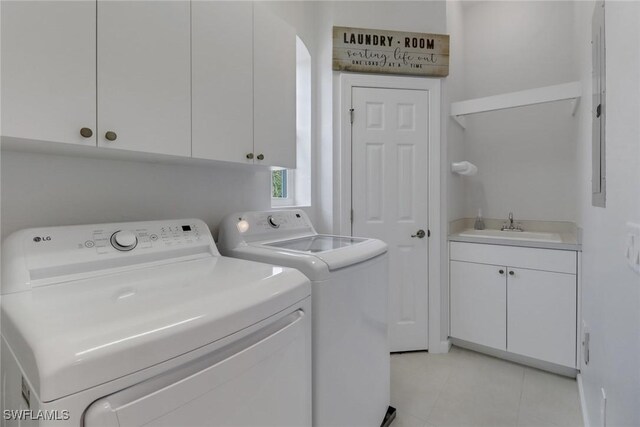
(76, 335)
(336, 251)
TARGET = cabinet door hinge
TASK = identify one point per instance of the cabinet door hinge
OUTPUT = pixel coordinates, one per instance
(351, 115)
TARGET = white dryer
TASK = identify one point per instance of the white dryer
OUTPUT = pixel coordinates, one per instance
(349, 278)
(145, 323)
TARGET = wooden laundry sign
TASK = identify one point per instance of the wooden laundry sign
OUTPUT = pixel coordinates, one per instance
(391, 52)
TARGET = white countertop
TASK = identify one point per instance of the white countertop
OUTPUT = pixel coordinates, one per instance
(536, 234)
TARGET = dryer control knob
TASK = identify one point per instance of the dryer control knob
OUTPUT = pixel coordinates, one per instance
(124, 240)
(272, 222)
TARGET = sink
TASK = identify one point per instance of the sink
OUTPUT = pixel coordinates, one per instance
(513, 235)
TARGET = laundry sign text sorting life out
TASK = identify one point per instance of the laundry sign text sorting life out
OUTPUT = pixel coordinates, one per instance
(390, 52)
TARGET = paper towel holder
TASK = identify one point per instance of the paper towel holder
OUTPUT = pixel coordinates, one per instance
(464, 168)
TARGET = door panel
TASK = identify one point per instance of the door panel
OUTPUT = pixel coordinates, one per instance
(542, 315)
(144, 77)
(222, 73)
(49, 70)
(390, 182)
(479, 303)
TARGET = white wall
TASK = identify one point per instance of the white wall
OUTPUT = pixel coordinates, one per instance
(526, 156)
(49, 190)
(453, 194)
(454, 90)
(610, 290)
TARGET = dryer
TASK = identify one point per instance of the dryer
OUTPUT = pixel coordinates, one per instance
(349, 280)
(144, 323)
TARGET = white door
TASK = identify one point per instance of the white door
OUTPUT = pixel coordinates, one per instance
(222, 80)
(144, 76)
(49, 70)
(390, 199)
(479, 303)
(541, 314)
(274, 86)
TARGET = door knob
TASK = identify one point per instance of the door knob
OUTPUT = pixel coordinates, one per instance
(110, 136)
(419, 234)
(86, 132)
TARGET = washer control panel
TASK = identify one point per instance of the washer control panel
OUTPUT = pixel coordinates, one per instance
(264, 225)
(285, 220)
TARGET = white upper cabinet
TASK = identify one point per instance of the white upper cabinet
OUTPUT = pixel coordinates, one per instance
(222, 79)
(49, 70)
(274, 81)
(144, 76)
(126, 75)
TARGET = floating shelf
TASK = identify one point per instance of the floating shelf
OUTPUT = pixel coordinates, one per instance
(567, 91)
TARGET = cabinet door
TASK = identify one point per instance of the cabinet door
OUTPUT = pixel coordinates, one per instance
(144, 76)
(274, 82)
(222, 80)
(542, 315)
(479, 303)
(49, 70)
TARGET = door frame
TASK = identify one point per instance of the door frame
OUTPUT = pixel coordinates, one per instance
(343, 185)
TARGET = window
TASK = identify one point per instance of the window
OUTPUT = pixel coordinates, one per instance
(292, 187)
(281, 188)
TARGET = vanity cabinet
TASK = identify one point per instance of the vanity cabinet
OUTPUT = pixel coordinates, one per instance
(516, 299)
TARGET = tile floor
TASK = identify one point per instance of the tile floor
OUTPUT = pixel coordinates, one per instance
(465, 388)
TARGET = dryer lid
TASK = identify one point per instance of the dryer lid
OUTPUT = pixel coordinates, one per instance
(73, 336)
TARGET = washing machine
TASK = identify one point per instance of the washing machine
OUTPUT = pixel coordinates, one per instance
(349, 281)
(145, 323)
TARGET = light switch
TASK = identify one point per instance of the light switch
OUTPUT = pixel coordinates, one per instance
(632, 252)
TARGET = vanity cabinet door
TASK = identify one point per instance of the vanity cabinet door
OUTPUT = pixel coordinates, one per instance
(479, 303)
(542, 315)
(49, 71)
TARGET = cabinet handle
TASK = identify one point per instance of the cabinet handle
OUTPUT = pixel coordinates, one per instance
(501, 272)
(250, 156)
(260, 157)
(111, 136)
(86, 132)
(512, 273)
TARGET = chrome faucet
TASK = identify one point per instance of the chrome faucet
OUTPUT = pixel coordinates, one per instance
(511, 226)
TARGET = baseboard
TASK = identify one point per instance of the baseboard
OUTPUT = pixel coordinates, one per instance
(443, 347)
(523, 360)
(583, 401)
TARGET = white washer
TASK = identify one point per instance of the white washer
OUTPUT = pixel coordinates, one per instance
(146, 324)
(349, 281)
